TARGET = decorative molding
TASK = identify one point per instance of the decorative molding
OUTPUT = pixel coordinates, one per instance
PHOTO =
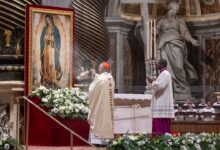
(9, 68)
(12, 42)
(12, 14)
(208, 2)
(212, 62)
(210, 8)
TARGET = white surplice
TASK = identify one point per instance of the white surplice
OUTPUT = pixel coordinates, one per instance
(101, 103)
(162, 103)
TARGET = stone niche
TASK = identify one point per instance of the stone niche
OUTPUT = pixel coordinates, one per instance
(205, 59)
(127, 55)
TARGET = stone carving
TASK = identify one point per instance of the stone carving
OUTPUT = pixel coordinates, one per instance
(134, 9)
(13, 42)
(162, 8)
(7, 34)
(19, 41)
(208, 2)
(172, 34)
(12, 25)
(210, 7)
(5, 125)
(212, 63)
(128, 75)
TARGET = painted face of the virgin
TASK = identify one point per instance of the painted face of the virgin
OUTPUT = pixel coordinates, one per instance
(48, 21)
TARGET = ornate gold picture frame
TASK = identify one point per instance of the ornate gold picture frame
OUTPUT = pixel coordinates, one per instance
(49, 47)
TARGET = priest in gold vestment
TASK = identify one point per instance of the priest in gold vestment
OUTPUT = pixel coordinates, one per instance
(101, 103)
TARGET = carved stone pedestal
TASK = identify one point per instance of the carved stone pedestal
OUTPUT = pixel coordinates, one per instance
(9, 93)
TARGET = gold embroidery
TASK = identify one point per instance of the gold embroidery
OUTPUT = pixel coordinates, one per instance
(111, 103)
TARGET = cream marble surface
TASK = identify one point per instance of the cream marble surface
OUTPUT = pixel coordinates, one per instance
(132, 119)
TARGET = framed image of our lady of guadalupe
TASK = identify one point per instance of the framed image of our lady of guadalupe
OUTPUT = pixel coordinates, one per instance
(49, 47)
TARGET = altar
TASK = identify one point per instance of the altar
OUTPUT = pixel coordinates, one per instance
(131, 115)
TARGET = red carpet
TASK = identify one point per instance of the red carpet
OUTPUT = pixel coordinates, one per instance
(62, 148)
(43, 131)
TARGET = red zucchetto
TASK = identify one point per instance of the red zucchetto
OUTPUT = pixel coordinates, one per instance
(106, 65)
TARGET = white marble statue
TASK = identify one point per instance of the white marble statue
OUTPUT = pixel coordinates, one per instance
(171, 44)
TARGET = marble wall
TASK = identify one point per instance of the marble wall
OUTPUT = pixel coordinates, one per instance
(127, 56)
(204, 58)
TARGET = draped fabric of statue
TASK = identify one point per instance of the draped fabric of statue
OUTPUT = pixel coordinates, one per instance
(173, 49)
(50, 52)
(172, 34)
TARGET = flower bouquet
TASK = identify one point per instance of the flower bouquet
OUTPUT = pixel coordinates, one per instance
(69, 106)
(8, 143)
(66, 102)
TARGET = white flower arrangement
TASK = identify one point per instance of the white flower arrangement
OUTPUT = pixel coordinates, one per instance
(65, 102)
(8, 143)
(188, 141)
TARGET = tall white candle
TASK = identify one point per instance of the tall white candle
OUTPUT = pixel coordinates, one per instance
(148, 41)
(151, 38)
(155, 39)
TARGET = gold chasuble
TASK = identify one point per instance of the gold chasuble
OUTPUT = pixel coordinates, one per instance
(101, 105)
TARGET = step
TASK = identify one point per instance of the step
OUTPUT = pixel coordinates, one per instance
(62, 148)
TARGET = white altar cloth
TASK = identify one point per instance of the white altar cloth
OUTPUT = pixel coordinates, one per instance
(132, 118)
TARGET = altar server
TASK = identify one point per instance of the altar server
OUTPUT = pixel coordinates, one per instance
(162, 103)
